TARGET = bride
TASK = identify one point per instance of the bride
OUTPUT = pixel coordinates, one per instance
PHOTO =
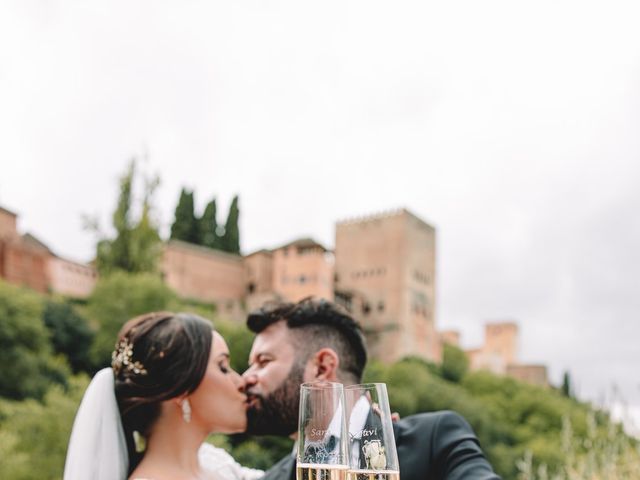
(147, 417)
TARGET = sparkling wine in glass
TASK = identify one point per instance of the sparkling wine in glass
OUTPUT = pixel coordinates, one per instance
(322, 433)
(372, 446)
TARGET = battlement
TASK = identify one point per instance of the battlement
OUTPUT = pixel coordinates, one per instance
(398, 212)
(371, 217)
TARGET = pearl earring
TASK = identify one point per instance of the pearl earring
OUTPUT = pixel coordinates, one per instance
(186, 410)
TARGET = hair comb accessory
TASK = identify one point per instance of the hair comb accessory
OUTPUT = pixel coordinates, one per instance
(122, 358)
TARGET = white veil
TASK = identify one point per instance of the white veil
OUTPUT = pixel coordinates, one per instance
(97, 448)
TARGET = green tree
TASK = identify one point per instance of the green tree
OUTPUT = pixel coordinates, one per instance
(136, 246)
(230, 241)
(566, 389)
(209, 226)
(28, 366)
(455, 363)
(146, 245)
(118, 298)
(13, 462)
(34, 435)
(260, 452)
(186, 226)
(239, 339)
(70, 334)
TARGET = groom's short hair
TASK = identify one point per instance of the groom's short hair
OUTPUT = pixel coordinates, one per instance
(316, 324)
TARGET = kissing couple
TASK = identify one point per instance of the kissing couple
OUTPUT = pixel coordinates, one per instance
(170, 385)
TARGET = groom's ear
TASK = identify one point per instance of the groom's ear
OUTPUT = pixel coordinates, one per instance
(324, 365)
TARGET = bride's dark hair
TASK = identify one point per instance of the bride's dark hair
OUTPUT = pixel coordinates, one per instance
(159, 356)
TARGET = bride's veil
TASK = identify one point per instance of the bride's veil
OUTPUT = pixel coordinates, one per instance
(97, 448)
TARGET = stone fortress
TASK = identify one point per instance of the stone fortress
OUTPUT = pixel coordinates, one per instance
(382, 270)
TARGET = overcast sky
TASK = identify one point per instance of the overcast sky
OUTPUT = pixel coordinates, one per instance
(512, 127)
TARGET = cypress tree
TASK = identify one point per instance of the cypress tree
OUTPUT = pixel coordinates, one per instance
(208, 226)
(231, 238)
(566, 389)
(186, 226)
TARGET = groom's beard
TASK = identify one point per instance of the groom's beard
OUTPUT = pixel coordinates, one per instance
(277, 413)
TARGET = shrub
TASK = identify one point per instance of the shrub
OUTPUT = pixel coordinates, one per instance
(38, 433)
(118, 298)
(28, 365)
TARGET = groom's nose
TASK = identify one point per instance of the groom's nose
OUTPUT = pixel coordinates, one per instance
(250, 378)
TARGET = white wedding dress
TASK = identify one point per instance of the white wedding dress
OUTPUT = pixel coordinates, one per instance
(219, 465)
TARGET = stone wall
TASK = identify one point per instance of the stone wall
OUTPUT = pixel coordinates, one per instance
(302, 269)
(71, 279)
(204, 274)
(389, 261)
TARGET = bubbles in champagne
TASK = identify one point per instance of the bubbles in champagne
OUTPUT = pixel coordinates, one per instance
(311, 471)
(372, 475)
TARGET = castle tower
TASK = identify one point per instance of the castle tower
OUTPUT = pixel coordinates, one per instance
(500, 348)
(8, 224)
(303, 268)
(385, 275)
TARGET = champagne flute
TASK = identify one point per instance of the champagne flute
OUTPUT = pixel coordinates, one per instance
(372, 446)
(322, 433)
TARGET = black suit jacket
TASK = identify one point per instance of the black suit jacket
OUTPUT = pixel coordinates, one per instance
(431, 446)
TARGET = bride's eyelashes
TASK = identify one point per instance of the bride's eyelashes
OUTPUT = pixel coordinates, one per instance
(223, 368)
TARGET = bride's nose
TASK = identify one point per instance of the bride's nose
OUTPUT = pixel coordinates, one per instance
(240, 382)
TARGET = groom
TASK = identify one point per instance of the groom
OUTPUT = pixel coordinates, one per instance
(315, 341)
